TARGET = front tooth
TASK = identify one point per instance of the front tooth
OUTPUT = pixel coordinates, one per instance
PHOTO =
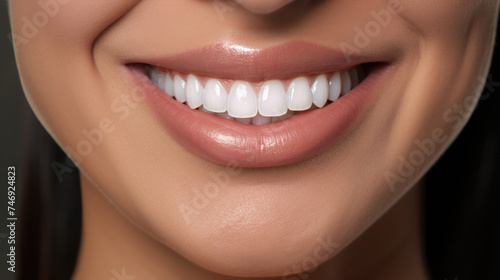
(335, 87)
(242, 101)
(215, 98)
(346, 82)
(272, 99)
(158, 79)
(259, 120)
(299, 95)
(319, 91)
(169, 85)
(179, 89)
(194, 92)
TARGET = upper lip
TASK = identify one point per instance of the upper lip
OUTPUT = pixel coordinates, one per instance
(232, 61)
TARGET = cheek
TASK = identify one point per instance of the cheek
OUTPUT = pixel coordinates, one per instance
(53, 42)
(447, 19)
(67, 22)
(434, 90)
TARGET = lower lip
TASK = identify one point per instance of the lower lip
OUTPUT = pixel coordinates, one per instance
(232, 143)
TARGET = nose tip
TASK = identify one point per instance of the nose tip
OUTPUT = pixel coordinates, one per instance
(262, 6)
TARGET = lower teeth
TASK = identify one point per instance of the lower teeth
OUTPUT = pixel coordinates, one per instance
(257, 120)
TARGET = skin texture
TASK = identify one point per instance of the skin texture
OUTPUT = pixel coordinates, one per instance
(264, 222)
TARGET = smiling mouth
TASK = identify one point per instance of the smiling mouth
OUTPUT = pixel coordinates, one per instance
(257, 107)
(256, 103)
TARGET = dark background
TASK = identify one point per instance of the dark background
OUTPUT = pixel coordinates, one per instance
(11, 99)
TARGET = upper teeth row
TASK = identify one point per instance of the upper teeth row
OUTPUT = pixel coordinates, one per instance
(271, 101)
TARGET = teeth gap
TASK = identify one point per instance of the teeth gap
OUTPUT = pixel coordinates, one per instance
(303, 94)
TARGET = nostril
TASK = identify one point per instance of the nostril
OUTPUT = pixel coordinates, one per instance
(262, 6)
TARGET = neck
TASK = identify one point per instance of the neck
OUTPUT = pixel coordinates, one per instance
(114, 248)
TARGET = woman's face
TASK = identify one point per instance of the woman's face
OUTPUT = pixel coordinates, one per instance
(230, 196)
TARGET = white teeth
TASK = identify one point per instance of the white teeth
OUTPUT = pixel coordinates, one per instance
(272, 99)
(260, 120)
(242, 101)
(335, 87)
(272, 104)
(299, 95)
(194, 92)
(169, 85)
(215, 98)
(346, 82)
(319, 91)
(179, 89)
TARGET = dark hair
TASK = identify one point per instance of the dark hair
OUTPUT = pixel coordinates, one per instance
(461, 214)
(462, 222)
(50, 208)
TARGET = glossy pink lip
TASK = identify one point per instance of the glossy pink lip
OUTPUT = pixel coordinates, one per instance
(228, 142)
(235, 62)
